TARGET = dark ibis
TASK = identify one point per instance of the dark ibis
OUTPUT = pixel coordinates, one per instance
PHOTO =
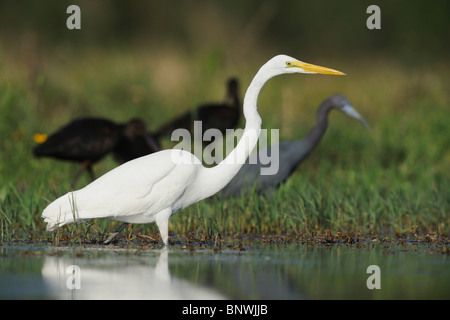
(222, 116)
(88, 140)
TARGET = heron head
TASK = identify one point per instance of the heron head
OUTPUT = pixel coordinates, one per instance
(341, 103)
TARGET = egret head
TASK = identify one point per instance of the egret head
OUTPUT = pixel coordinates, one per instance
(282, 64)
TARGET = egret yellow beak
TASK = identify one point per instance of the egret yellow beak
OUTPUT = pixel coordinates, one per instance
(40, 137)
(313, 68)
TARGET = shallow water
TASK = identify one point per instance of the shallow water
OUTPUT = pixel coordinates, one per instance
(291, 271)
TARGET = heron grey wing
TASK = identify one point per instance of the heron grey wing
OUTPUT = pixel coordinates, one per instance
(288, 155)
(294, 153)
(243, 180)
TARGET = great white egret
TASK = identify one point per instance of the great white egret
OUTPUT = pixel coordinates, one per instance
(289, 154)
(88, 140)
(222, 116)
(154, 187)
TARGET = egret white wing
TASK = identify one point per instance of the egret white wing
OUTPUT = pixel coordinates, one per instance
(126, 191)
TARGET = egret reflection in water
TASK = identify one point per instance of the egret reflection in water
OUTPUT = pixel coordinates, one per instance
(114, 278)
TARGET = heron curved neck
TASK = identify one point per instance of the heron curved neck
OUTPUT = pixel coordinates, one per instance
(316, 133)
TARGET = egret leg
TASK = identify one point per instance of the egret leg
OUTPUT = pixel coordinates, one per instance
(115, 233)
(162, 221)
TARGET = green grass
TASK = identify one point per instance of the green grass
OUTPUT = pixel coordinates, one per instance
(393, 178)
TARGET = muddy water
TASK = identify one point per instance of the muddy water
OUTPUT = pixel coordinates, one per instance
(257, 272)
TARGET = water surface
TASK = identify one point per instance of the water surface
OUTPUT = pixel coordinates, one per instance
(291, 271)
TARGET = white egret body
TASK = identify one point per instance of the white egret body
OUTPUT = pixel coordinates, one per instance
(152, 188)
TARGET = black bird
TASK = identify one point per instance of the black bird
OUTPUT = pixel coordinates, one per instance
(222, 116)
(291, 153)
(88, 140)
(134, 142)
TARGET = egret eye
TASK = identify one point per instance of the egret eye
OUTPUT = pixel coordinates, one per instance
(288, 63)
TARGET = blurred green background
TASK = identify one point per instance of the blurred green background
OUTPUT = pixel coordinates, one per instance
(155, 59)
(410, 29)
